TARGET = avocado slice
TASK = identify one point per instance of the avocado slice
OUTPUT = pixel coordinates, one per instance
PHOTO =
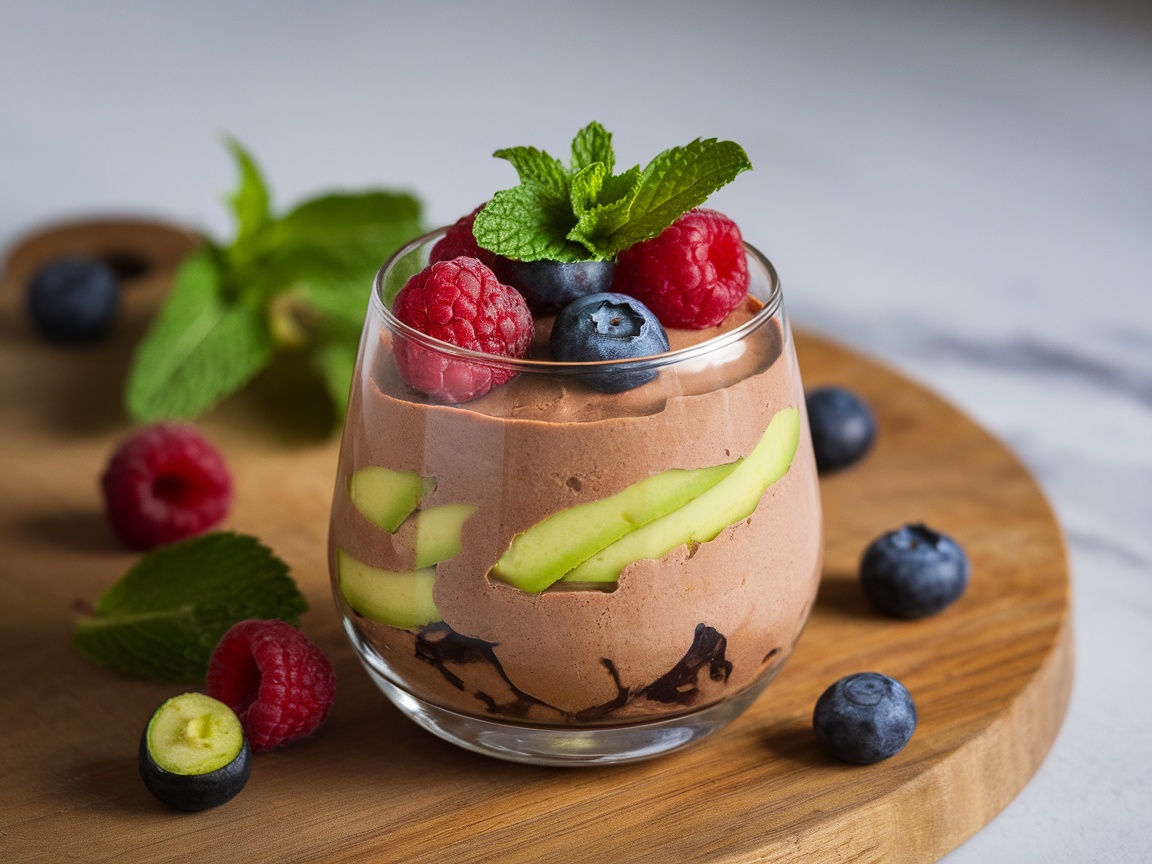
(539, 556)
(397, 598)
(386, 497)
(731, 499)
(193, 753)
(438, 532)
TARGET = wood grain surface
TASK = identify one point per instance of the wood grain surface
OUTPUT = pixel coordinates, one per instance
(991, 676)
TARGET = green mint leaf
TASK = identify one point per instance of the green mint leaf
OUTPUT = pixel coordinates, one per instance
(537, 167)
(199, 349)
(592, 144)
(349, 232)
(164, 617)
(251, 202)
(528, 222)
(672, 184)
(602, 205)
(335, 361)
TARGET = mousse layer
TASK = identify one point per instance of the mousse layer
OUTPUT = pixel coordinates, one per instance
(672, 635)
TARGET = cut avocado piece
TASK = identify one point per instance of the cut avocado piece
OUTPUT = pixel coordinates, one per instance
(438, 532)
(193, 753)
(397, 598)
(545, 552)
(733, 498)
(386, 497)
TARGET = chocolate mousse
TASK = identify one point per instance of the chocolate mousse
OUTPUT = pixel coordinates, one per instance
(669, 636)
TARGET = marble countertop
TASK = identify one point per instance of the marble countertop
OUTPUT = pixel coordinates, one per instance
(963, 190)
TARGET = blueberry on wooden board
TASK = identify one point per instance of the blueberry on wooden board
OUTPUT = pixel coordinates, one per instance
(193, 753)
(914, 572)
(843, 427)
(73, 300)
(864, 718)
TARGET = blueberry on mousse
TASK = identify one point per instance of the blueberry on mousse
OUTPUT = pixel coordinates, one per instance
(843, 427)
(914, 572)
(73, 301)
(608, 326)
(864, 718)
(551, 285)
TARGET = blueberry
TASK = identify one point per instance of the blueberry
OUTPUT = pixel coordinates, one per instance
(913, 572)
(552, 285)
(73, 300)
(608, 326)
(864, 718)
(193, 754)
(843, 427)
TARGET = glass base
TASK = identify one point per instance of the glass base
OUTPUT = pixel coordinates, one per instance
(554, 745)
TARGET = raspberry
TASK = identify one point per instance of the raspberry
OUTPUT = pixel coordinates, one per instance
(459, 241)
(463, 303)
(692, 275)
(279, 683)
(165, 483)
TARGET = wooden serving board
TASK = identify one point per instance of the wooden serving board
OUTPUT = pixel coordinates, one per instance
(991, 676)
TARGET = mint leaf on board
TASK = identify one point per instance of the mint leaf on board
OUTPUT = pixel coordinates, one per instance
(272, 288)
(587, 212)
(250, 202)
(199, 349)
(163, 619)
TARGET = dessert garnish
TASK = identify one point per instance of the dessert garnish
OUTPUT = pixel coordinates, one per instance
(460, 302)
(585, 211)
(692, 274)
(843, 427)
(459, 241)
(914, 572)
(193, 754)
(73, 301)
(295, 281)
(608, 326)
(280, 684)
(164, 617)
(864, 718)
(165, 483)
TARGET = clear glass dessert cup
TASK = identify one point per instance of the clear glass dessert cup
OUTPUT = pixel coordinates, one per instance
(557, 575)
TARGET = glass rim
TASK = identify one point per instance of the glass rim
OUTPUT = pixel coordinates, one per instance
(771, 307)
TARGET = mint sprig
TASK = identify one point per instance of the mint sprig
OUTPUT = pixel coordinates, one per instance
(585, 211)
(299, 281)
(163, 619)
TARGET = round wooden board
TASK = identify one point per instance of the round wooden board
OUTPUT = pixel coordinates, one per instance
(991, 676)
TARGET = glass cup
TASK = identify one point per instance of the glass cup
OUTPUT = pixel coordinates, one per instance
(553, 574)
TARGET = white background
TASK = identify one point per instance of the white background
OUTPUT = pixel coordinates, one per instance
(962, 189)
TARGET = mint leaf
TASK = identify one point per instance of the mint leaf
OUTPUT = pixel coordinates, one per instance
(164, 617)
(590, 213)
(335, 361)
(672, 184)
(199, 349)
(601, 207)
(354, 231)
(537, 167)
(592, 144)
(529, 223)
(297, 281)
(251, 203)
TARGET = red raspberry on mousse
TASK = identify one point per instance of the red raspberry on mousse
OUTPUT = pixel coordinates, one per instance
(460, 302)
(691, 275)
(459, 241)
